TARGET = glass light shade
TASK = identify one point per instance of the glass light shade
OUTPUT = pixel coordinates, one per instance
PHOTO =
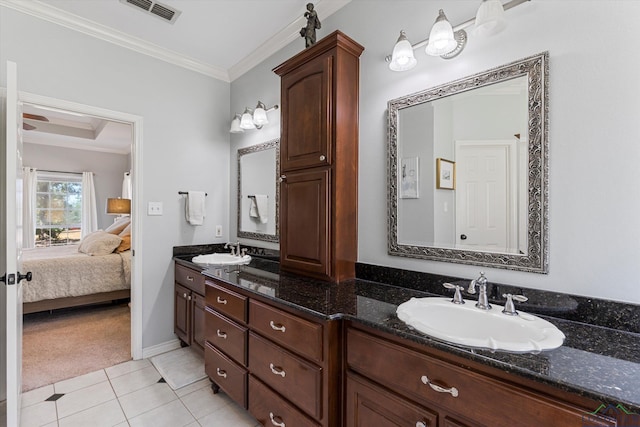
(402, 58)
(490, 18)
(246, 122)
(260, 115)
(118, 206)
(441, 38)
(235, 125)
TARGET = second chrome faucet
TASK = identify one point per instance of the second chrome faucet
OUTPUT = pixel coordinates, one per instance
(481, 284)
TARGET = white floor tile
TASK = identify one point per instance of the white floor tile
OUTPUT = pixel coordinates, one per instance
(53, 424)
(203, 402)
(124, 424)
(146, 399)
(86, 380)
(85, 398)
(38, 415)
(193, 424)
(136, 380)
(193, 387)
(127, 367)
(173, 414)
(230, 415)
(37, 395)
(106, 414)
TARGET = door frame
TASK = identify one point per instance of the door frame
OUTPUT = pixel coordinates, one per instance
(136, 204)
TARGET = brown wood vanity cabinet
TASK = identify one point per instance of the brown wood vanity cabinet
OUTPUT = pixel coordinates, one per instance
(189, 306)
(319, 159)
(393, 382)
(281, 364)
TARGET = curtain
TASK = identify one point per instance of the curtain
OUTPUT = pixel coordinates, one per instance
(29, 188)
(89, 209)
(127, 188)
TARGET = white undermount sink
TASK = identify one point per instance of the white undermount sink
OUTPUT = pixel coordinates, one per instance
(221, 259)
(470, 326)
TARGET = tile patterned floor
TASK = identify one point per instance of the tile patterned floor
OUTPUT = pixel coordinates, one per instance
(130, 394)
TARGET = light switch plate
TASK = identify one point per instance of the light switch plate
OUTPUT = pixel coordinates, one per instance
(154, 208)
(218, 231)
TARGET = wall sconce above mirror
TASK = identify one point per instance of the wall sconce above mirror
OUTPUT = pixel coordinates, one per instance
(447, 41)
(248, 120)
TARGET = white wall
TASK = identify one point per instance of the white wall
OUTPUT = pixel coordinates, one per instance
(185, 136)
(108, 169)
(593, 127)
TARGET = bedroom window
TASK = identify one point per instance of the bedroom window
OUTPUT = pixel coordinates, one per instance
(58, 209)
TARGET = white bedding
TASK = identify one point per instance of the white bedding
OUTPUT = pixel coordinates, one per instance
(62, 271)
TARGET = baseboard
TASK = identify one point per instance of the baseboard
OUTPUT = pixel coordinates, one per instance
(154, 350)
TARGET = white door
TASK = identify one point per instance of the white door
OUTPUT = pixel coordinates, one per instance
(11, 236)
(484, 199)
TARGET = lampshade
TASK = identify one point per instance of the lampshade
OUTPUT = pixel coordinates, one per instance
(246, 122)
(441, 38)
(235, 125)
(490, 18)
(118, 206)
(402, 58)
(260, 115)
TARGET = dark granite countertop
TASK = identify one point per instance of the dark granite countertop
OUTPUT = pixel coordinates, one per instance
(598, 362)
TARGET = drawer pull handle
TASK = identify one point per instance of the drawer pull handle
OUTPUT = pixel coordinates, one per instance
(275, 421)
(277, 370)
(421, 424)
(189, 278)
(275, 327)
(439, 389)
(221, 300)
(221, 334)
(221, 373)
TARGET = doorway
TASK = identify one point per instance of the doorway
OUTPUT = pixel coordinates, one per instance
(135, 123)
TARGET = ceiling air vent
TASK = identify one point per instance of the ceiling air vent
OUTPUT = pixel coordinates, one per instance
(162, 11)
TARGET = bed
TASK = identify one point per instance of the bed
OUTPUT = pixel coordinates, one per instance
(73, 275)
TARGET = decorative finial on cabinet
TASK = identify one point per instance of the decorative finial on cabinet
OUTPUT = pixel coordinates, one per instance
(313, 24)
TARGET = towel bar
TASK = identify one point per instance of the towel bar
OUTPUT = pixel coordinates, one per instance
(186, 192)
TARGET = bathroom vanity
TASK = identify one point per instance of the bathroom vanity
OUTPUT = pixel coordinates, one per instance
(298, 351)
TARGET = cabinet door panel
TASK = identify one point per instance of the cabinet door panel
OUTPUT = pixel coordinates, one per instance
(182, 313)
(306, 95)
(305, 222)
(294, 378)
(368, 405)
(197, 305)
(227, 374)
(226, 335)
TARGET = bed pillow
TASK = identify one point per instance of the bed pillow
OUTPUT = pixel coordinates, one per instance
(120, 224)
(125, 245)
(126, 231)
(99, 243)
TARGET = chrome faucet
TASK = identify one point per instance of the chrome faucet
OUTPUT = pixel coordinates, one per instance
(235, 248)
(481, 284)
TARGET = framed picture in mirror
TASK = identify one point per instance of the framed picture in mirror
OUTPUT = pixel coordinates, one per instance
(409, 178)
(445, 174)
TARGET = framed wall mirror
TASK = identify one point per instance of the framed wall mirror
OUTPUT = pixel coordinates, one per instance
(258, 191)
(477, 150)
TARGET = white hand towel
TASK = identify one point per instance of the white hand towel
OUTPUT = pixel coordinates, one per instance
(262, 202)
(195, 207)
(253, 207)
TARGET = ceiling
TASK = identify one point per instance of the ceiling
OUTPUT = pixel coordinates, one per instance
(220, 38)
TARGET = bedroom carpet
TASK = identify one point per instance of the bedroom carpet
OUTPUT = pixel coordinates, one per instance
(73, 342)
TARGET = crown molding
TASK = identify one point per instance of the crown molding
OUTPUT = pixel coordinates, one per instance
(108, 34)
(291, 32)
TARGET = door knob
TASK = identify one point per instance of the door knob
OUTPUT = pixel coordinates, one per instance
(463, 237)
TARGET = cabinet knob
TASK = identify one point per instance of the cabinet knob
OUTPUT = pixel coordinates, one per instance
(221, 373)
(274, 420)
(275, 327)
(282, 178)
(322, 158)
(184, 296)
(452, 390)
(221, 334)
(221, 300)
(421, 424)
(277, 370)
(189, 297)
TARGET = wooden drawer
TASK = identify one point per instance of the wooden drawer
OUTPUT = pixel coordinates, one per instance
(297, 334)
(482, 398)
(227, 336)
(368, 405)
(189, 278)
(226, 302)
(294, 378)
(270, 409)
(227, 374)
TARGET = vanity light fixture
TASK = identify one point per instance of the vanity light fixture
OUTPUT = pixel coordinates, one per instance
(255, 119)
(448, 42)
